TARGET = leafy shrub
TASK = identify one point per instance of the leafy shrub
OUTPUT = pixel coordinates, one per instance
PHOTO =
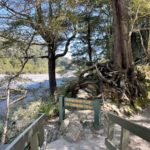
(49, 108)
(67, 85)
(141, 103)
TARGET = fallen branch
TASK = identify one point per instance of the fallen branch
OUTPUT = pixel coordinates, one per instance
(19, 99)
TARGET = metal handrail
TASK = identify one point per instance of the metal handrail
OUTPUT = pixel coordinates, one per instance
(32, 137)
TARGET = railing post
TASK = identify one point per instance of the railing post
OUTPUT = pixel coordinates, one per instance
(110, 131)
(34, 142)
(110, 134)
(41, 134)
(124, 139)
(96, 105)
(61, 108)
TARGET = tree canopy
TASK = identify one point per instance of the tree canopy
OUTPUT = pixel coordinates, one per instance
(88, 28)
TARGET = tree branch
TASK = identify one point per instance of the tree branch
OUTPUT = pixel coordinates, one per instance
(4, 4)
(23, 65)
(66, 46)
(6, 120)
(19, 99)
(27, 57)
(133, 23)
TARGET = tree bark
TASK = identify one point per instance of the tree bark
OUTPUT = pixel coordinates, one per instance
(122, 56)
(148, 45)
(51, 68)
(5, 128)
(89, 41)
(148, 49)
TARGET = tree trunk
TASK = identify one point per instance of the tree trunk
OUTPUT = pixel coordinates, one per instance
(122, 56)
(148, 45)
(5, 126)
(89, 41)
(52, 67)
(148, 48)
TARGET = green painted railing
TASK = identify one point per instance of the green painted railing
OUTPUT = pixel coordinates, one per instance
(126, 128)
(81, 104)
(32, 138)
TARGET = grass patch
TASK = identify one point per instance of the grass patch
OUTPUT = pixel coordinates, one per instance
(49, 108)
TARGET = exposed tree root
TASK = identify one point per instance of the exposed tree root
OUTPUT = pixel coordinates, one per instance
(126, 85)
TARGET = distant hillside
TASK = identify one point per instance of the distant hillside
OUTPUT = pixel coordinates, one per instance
(10, 64)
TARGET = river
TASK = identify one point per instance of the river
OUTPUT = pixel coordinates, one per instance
(36, 82)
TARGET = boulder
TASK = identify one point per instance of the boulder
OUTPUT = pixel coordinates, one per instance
(72, 129)
(64, 126)
(74, 132)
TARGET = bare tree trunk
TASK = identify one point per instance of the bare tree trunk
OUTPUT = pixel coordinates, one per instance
(52, 72)
(89, 41)
(122, 55)
(148, 46)
(5, 128)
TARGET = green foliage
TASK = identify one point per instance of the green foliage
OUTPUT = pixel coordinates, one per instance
(49, 108)
(9, 65)
(12, 66)
(93, 40)
(144, 6)
(137, 48)
(66, 87)
(140, 103)
(145, 69)
(60, 69)
(143, 74)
